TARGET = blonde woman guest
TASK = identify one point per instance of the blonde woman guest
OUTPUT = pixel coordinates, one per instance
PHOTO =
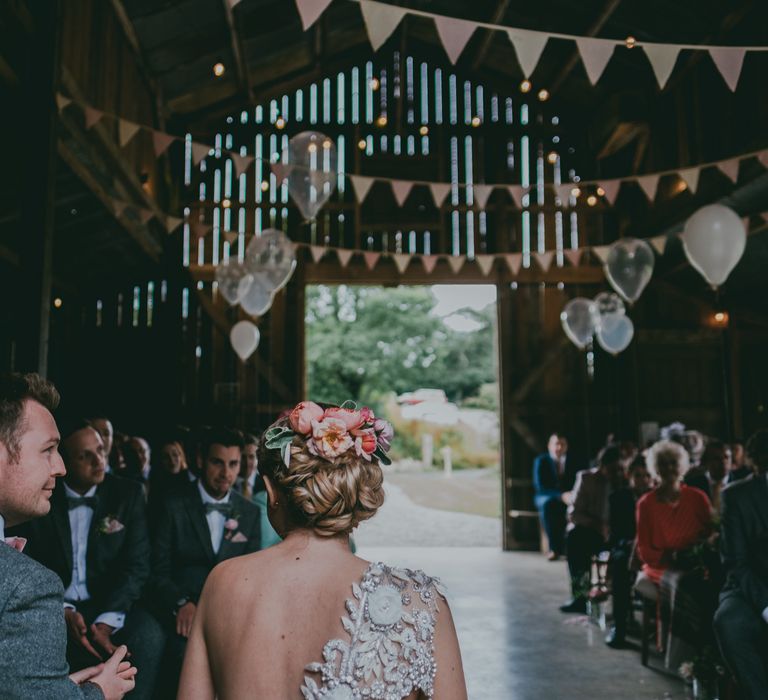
(299, 618)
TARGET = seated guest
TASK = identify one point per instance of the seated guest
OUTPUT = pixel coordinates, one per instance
(171, 474)
(172, 459)
(740, 469)
(141, 447)
(202, 524)
(554, 474)
(716, 462)
(588, 521)
(740, 621)
(621, 506)
(104, 428)
(95, 540)
(251, 485)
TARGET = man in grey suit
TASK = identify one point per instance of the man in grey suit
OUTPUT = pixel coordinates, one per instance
(33, 635)
(741, 621)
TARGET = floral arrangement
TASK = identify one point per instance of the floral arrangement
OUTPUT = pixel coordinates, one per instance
(334, 431)
(110, 525)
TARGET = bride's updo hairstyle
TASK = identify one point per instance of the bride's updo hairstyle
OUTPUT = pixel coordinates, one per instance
(325, 462)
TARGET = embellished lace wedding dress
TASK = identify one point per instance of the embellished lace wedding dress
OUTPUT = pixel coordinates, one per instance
(388, 649)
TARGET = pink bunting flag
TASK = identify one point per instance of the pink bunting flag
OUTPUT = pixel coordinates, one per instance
(199, 229)
(317, 252)
(401, 189)
(690, 176)
(92, 116)
(528, 48)
(439, 192)
(119, 207)
(730, 168)
(172, 223)
(595, 54)
(454, 33)
(402, 261)
(380, 21)
(361, 185)
(241, 163)
(456, 262)
(563, 192)
(145, 215)
(482, 193)
(429, 262)
(763, 158)
(310, 11)
(371, 259)
(544, 260)
(230, 236)
(126, 131)
(62, 101)
(601, 251)
(662, 58)
(649, 184)
(611, 189)
(517, 192)
(344, 255)
(199, 151)
(573, 256)
(729, 61)
(659, 244)
(485, 263)
(161, 141)
(514, 262)
(281, 171)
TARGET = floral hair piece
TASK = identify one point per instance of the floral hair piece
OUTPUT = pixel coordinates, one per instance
(332, 432)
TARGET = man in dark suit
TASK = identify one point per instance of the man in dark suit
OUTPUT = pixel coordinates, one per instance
(554, 474)
(95, 539)
(202, 524)
(742, 617)
(32, 629)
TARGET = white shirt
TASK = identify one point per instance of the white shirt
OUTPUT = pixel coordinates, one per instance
(80, 525)
(215, 519)
(2, 527)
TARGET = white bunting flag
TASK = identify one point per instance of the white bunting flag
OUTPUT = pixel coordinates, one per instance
(690, 176)
(161, 141)
(344, 255)
(649, 184)
(485, 263)
(361, 185)
(439, 192)
(482, 193)
(544, 260)
(456, 262)
(62, 101)
(92, 116)
(516, 192)
(662, 58)
(429, 262)
(241, 163)
(729, 62)
(172, 223)
(595, 54)
(454, 33)
(528, 47)
(611, 189)
(126, 131)
(730, 168)
(401, 189)
(317, 252)
(310, 11)
(401, 260)
(145, 215)
(514, 262)
(601, 251)
(573, 256)
(199, 151)
(659, 244)
(380, 21)
(371, 259)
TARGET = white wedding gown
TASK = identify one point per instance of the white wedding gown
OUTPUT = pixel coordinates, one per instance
(390, 649)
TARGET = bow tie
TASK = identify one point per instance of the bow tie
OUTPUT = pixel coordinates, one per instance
(76, 502)
(223, 508)
(16, 542)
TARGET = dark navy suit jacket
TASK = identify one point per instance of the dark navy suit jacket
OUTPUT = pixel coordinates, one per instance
(547, 482)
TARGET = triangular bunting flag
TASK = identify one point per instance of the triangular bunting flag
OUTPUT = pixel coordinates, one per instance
(649, 184)
(380, 21)
(199, 229)
(62, 101)
(146, 215)
(659, 244)
(514, 262)
(401, 260)
(544, 260)
(763, 158)
(730, 168)
(172, 223)
(241, 163)
(482, 193)
(401, 189)
(528, 47)
(563, 192)
(344, 255)
(92, 116)
(230, 236)
(161, 141)
(573, 256)
(764, 216)
(611, 189)
(595, 54)
(690, 176)
(310, 11)
(729, 62)
(199, 151)
(454, 33)
(429, 262)
(456, 262)
(662, 58)
(119, 207)
(281, 171)
(371, 259)
(440, 191)
(485, 263)
(361, 185)
(126, 131)
(516, 192)
(317, 252)
(601, 251)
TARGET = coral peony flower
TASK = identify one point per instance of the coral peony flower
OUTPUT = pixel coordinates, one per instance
(330, 438)
(365, 442)
(352, 418)
(385, 433)
(302, 416)
(367, 415)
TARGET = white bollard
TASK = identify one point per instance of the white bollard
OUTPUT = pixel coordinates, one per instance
(447, 463)
(427, 451)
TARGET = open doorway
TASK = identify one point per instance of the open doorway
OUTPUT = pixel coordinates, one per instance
(425, 358)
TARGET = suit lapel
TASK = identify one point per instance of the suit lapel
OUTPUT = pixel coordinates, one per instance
(60, 518)
(196, 514)
(101, 512)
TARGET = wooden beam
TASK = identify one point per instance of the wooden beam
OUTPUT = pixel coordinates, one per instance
(241, 64)
(533, 376)
(497, 18)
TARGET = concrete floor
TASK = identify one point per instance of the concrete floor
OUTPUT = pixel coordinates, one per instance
(516, 645)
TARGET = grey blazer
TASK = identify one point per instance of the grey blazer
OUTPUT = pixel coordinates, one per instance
(33, 635)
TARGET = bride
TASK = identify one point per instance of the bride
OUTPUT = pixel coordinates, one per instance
(306, 618)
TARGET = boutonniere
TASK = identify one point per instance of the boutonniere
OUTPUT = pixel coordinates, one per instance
(230, 526)
(110, 525)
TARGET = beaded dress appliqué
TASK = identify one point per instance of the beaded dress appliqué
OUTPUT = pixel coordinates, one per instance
(390, 652)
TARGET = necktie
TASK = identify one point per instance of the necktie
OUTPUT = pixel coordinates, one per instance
(16, 542)
(223, 508)
(247, 491)
(89, 501)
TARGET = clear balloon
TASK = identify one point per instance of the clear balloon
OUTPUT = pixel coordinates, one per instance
(234, 280)
(629, 267)
(310, 163)
(580, 318)
(244, 338)
(258, 298)
(617, 337)
(271, 254)
(714, 240)
(610, 308)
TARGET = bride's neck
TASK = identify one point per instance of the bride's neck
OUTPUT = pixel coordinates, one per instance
(306, 538)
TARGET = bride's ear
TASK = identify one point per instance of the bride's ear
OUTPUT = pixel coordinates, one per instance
(271, 492)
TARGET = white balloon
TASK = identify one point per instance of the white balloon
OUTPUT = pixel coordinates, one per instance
(244, 337)
(618, 336)
(714, 240)
(270, 253)
(310, 161)
(258, 298)
(629, 267)
(610, 308)
(580, 318)
(234, 280)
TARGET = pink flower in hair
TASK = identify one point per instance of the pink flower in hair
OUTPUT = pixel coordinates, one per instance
(303, 415)
(367, 415)
(330, 438)
(352, 418)
(385, 432)
(365, 442)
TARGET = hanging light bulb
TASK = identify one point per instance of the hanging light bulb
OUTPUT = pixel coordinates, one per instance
(630, 42)
(374, 83)
(526, 86)
(591, 200)
(382, 120)
(552, 157)
(218, 69)
(424, 130)
(280, 123)
(543, 95)
(361, 144)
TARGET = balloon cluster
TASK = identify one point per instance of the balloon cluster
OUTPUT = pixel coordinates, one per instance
(603, 318)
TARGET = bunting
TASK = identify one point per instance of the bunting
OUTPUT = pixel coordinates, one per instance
(659, 244)
(361, 185)
(611, 189)
(161, 141)
(199, 151)
(380, 21)
(440, 191)
(485, 263)
(456, 262)
(402, 261)
(649, 184)
(601, 252)
(544, 260)
(514, 262)
(401, 189)
(662, 58)
(92, 117)
(595, 54)
(528, 47)
(482, 193)
(690, 176)
(344, 255)
(730, 168)
(317, 252)
(371, 259)
(454, 33)
(310, 11)
(729, 61)
(573, 256)
(126, 131)
(429, 262)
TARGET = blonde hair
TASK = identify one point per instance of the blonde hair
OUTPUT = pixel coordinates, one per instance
(331, 498)
(666, 453)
